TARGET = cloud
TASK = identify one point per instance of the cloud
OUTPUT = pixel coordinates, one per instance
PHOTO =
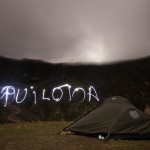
(75, 30)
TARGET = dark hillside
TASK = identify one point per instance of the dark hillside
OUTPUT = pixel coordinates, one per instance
(129, 79)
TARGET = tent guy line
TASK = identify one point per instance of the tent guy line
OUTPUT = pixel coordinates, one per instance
(9, 93)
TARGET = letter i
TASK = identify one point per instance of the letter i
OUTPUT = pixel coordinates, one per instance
(34, 93)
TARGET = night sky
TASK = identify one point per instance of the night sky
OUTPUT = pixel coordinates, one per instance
(75, 30)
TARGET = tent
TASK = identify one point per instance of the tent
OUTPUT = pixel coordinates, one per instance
(116, 117)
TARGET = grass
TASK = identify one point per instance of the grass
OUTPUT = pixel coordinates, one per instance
(43, 136)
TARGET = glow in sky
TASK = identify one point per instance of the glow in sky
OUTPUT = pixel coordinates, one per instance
(75, 30)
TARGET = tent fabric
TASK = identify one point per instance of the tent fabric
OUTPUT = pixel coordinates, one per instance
(116, 115)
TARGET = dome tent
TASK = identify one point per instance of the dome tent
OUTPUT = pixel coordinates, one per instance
(116, 117)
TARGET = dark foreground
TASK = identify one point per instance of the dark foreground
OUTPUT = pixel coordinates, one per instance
(43, 136)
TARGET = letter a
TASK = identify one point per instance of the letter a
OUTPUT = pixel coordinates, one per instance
(92, 95)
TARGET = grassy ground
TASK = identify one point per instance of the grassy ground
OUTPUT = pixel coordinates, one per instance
(43, 136)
